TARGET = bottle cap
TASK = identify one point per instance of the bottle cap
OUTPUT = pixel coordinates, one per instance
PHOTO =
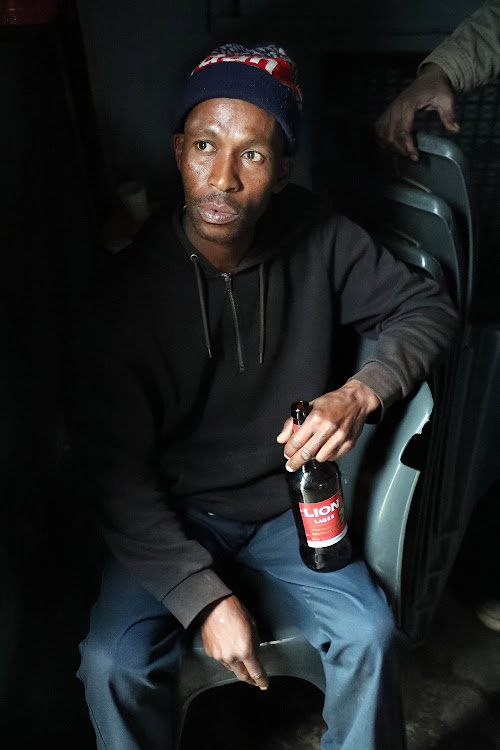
(300, 410)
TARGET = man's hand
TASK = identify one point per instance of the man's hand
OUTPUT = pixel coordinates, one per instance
(332, 427)
(229, 635)
(431, 90)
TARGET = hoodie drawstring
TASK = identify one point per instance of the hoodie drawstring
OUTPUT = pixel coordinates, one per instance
(204, 315)
(262, 311)
(203, 306)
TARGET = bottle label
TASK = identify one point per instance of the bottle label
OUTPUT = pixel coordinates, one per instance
(324, 522)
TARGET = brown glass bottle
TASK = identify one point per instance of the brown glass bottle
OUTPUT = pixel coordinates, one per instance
(317, 504)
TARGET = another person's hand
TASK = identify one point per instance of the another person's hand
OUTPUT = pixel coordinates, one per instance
(229, 635)
(431, 90)
(332, 427)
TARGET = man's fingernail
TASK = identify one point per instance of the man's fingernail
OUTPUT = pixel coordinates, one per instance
(262, 688)
(288, 468)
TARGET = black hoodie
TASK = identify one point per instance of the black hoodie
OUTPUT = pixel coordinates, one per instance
(185, 375)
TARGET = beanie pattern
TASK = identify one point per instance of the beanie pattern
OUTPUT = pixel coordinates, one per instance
(263, 75)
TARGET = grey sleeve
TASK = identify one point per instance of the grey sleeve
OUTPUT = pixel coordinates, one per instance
(470, 56)
(411, 318)
(117, 471)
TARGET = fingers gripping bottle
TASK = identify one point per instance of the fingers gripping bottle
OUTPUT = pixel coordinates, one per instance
(317, 504)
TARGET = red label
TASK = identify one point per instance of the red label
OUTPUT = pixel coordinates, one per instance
(324, 522)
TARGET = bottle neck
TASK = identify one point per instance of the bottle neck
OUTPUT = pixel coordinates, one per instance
(309, 465)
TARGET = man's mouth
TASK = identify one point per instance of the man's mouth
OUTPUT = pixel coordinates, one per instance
(213, 213)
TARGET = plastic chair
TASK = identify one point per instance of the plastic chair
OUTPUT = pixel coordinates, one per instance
(442, 170)
(284, 651)
(413, 218)
(426, 222)
(378, 490)
(441, 224)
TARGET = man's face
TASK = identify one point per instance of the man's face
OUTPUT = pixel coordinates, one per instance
(231, 158)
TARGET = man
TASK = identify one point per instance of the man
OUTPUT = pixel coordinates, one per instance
(468, 58)
(196, 343)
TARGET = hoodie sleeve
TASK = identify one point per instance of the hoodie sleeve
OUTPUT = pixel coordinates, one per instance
(470, 56)
(114, 440)
(411, 318)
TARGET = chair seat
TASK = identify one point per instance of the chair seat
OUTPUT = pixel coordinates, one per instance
(284, 650)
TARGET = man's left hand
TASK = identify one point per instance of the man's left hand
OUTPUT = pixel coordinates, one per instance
(332, 427)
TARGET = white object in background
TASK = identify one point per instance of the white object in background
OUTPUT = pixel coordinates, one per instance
(134, 198)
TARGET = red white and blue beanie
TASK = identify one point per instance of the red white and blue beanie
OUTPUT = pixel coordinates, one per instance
(262, 75)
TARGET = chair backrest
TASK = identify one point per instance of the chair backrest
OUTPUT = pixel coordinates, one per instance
(441, 225)
(427, 222)
(379, 486)
(442, 171)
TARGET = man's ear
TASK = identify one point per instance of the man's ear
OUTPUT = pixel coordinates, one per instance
(283, 174)
(178, 148)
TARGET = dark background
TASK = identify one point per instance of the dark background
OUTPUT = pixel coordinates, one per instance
(84, 105)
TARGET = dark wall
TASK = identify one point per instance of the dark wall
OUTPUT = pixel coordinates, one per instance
(47, 249)
(51, 176)
(138, 53)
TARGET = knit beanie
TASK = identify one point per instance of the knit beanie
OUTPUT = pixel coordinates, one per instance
(262, 75)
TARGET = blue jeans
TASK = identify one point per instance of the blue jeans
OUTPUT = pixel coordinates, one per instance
(132, 653)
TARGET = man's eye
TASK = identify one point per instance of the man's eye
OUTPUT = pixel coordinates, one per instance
(205, 146)
(253, 156)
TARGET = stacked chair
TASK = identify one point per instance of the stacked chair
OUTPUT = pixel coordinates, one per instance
(426, 210)
(398, 481)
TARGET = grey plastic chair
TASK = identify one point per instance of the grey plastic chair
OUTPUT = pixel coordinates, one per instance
(442, 170)
(440, 224)
(284, 651)
(378, 489)
(427, 222)
(415, 223)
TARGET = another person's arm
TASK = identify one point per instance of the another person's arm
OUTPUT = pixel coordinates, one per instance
(431, 90)
(468, 58)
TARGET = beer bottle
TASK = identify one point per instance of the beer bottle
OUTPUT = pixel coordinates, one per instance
(317, 504)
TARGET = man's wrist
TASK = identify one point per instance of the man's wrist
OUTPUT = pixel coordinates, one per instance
(363, 394)
(433, 70)
(206, 611)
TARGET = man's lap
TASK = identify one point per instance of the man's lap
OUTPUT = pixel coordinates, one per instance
(346, 600)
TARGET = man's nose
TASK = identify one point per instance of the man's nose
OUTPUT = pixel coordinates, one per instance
(224, 175)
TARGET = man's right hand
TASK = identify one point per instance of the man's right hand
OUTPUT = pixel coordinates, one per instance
(229, 635)
(431, 90)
